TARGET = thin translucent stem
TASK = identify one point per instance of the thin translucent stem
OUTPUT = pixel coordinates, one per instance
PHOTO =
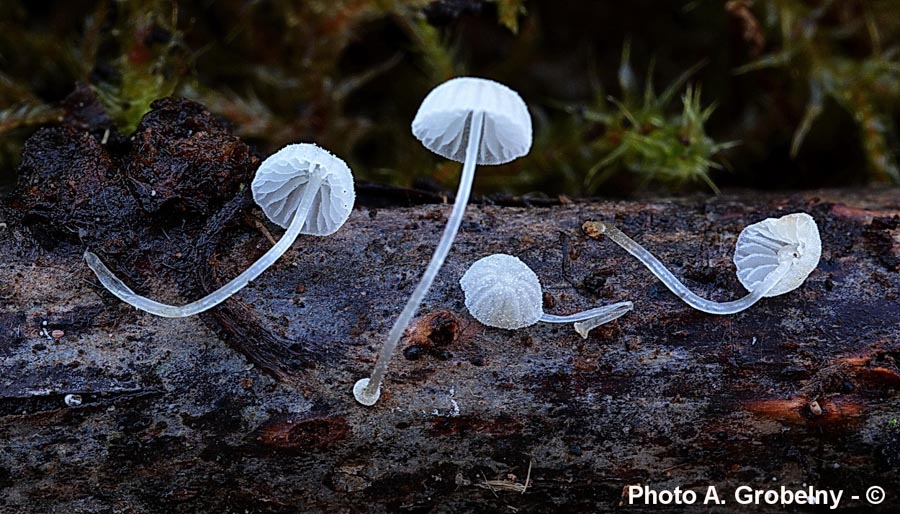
(590, 319)
(688, 296)
(368, 390)
(124, 293)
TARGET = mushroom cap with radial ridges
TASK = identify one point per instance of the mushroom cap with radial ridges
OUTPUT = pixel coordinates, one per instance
(501, 291)
(443, 120)
(756, 251)
(281, 180)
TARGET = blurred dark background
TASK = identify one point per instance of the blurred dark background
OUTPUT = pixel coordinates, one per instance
(646, 95)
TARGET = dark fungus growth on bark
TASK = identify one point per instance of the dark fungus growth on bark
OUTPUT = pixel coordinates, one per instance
(69, 189)
(185, 161)
(154, 204)
(81, 182)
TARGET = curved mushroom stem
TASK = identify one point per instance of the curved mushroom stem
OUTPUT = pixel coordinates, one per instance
(591, 319)
(124, 293)
(367, 390)
(786, 260)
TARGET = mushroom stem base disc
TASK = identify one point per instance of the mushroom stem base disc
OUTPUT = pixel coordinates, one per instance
(359, 392)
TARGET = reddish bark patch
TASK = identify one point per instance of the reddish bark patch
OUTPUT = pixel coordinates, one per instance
(864, 215)
(878, 369)
(441, 329)
(307, 434)
(837, 411)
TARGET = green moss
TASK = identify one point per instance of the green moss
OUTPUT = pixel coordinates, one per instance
(508, 12)
(814, 101)
(642, 137)
(814, 41)
(148, 63)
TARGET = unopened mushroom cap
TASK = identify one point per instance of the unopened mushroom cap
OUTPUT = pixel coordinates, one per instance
(501, 291)
(281, 180)
(443, 121)
(756, 252)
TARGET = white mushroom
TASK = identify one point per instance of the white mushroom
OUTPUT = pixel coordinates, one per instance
(469, 120)
(301, 187)
(763, 245)
(772, 257)
(502, 291)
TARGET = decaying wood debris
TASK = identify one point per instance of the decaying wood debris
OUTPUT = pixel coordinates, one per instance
(248, 407)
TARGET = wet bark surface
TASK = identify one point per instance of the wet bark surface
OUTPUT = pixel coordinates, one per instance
(249, 407)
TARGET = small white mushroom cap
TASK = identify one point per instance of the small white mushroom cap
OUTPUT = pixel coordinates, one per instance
(757, 251)
(443, 120)
(281, 180)
(501, 291)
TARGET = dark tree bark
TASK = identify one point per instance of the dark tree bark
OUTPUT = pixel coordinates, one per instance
(248, 408)
(801, 388)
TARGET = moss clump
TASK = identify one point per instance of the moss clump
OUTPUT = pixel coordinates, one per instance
(835, 49)
(788, 78)
(641, 136)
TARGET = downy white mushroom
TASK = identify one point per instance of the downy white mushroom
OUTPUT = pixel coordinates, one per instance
(773, 257)
(469, 120)
(502, 291)
(301, 187)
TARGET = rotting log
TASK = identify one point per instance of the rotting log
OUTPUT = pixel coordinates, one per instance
(249, 408)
